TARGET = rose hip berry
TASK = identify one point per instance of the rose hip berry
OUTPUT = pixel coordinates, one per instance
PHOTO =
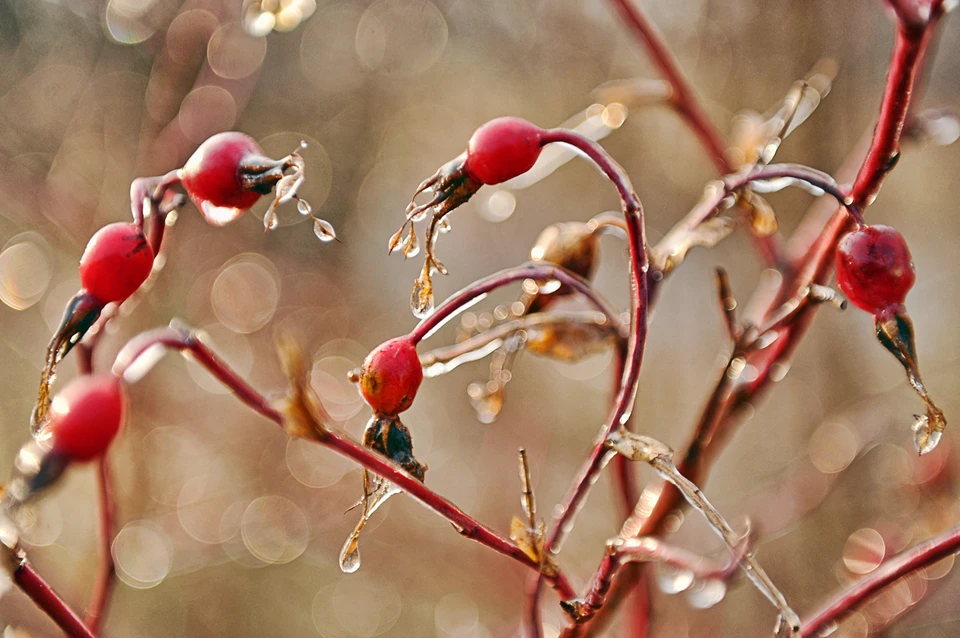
(502, 149)
(212, 176)
(390, 376)
(85, 417)
(115, 262)
(874, 268)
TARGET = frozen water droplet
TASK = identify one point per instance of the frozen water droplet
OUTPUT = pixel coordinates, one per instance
(411, 247)
(395, 240)
(444, 226)
(323, 230)
(421, 299)
(419, 214)
(705, 594)
(672, 579)
(350, 555)
(303, 207)
(270, 220)
(8, 532)
(925, 437)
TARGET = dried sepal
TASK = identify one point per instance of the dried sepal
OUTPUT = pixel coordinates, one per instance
(81, 313)
(570, 342)
(449, 187)
(391, 438)
(763, 219)
(895, 331)
(756, 138)
(303, 412)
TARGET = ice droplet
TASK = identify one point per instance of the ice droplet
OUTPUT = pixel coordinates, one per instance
(350, 555)
(705, 594)
(323, 230)
(673, 579)
(925, 438)
(421, 299)
(411, 247)
(303, 207)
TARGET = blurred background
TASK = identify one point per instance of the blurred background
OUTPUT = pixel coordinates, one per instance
(227, 528)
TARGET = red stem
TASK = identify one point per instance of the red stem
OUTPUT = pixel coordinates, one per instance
(627, 392)
(718, 419)
(106, 569)
(532, 270)
(42, 594)
(684, 98)
(917, 557)
(685, 101)
(341, 443)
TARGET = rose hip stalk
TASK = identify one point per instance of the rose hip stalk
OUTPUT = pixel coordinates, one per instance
(875, 271)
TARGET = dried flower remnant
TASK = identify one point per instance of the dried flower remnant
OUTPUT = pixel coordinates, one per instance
(391, 438)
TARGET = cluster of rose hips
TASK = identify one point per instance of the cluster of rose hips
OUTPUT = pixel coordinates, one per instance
(224, 177)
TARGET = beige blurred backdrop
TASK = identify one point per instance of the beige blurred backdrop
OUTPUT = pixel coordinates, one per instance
(229, 529)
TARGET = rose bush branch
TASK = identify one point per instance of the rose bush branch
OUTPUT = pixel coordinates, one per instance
(890, 571)
(685, 101)
(728, 396)
(301, 415)
(29, 581)
(720, 414)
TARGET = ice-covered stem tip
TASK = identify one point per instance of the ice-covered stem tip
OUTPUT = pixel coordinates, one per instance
(623, 551)
(300, 414)
(699, 228)
(660, 457)
(889, 572)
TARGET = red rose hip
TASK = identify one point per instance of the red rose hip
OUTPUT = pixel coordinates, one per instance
(390, 376)
(212, 176)
(85, 417)
(502, 149)
(874, 268)
(116, 261)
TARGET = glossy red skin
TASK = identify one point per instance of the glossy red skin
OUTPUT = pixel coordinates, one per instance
(86, 416)
(874, 268)
(390, 376)
(502, 149)
(116, 261)
(212, 173)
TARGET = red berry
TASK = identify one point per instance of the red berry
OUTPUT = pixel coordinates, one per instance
(85, 417)
(390, 376)
(212, 177)
(116, 261)
(502, 149)
(874, 267)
